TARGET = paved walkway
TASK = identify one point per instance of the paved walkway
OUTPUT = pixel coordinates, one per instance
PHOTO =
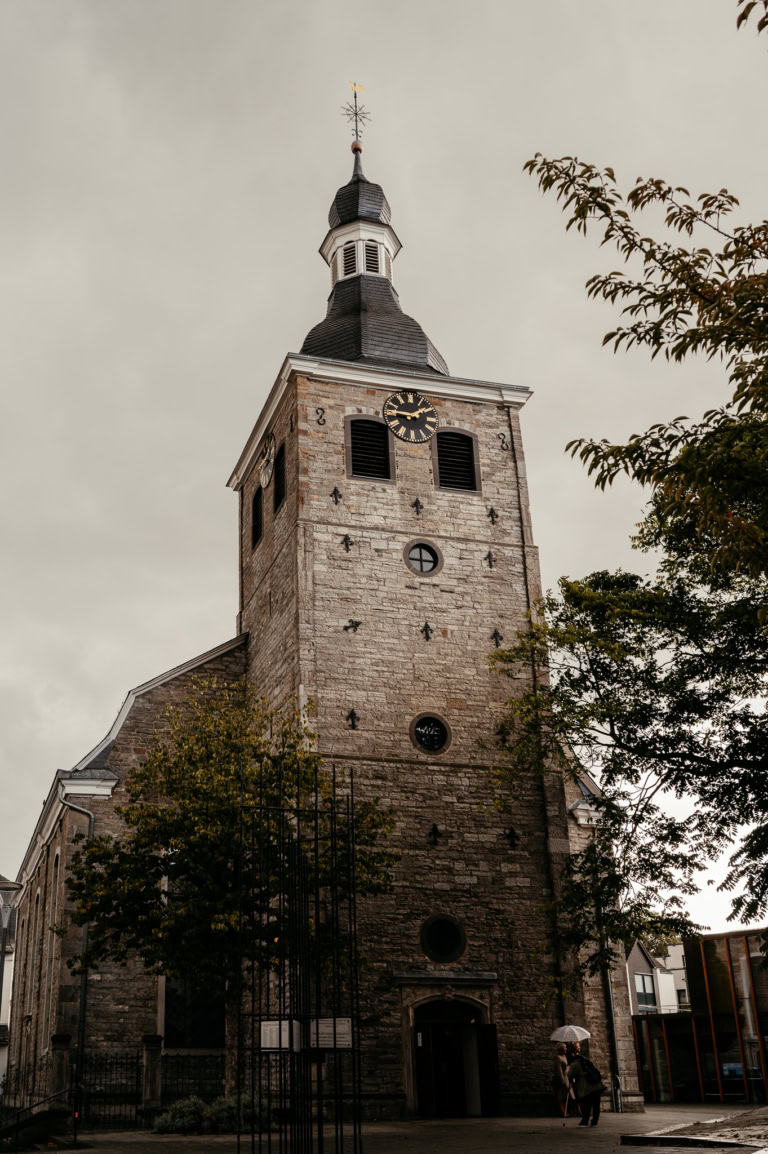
(466, 1135)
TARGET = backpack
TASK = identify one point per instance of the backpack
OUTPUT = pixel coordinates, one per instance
(591, 1071)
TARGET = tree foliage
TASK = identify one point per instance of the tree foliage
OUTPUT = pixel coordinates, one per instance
(657, 686)
(682, 300)
(169, 887)
(658, 689)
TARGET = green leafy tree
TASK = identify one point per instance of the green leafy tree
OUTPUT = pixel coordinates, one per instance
(169, 888)
(658, 687)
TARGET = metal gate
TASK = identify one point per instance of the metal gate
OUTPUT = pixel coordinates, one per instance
(298, 1048)
(107, 1089)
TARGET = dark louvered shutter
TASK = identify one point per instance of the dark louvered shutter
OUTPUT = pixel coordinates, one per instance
(456, 461)
(350, 260)
(257, 517)
(279, 494)
(369, 441)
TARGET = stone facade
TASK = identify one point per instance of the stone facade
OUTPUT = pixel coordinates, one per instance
(300, 585)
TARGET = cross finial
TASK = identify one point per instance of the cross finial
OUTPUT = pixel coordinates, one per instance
(354, 112)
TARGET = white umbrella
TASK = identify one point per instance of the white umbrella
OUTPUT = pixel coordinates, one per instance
(569, 1034)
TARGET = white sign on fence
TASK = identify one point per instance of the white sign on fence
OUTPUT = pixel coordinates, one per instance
(321, 1033)
(277, 1035)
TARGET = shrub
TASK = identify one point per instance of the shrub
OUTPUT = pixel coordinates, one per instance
(194, 1116)
(187, 1116)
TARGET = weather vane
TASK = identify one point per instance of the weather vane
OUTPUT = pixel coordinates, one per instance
(355, 113)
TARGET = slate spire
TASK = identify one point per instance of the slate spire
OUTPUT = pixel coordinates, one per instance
(364, 321)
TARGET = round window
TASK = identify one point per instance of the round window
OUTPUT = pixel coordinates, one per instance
(443, 938)
(430, 733)
(422, 558)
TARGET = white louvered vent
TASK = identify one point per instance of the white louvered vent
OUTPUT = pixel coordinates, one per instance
(350, 260)
(335, 268)
(388, 264)
(371, 256)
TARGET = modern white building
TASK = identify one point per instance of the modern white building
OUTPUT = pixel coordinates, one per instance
(652, 986)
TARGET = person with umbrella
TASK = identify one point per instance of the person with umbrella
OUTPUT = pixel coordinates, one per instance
(572, 1035)
(588, 1084)
(560, 1084)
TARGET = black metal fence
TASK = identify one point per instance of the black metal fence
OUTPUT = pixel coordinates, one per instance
(108, 1091)
(22, 1085)
(185, 1075)
(298, 1044)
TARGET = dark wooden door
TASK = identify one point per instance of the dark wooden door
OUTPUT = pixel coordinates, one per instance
(488, 1063)
(440, 1086)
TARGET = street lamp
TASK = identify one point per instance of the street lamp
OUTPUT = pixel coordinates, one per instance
(8, 891)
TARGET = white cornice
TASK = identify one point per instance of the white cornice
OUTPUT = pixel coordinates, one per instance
(87, 787)
(371, 376)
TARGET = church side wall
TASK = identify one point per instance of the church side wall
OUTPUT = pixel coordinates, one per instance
(121, 1000)
(269, 574)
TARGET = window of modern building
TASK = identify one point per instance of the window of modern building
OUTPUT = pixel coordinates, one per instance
(646, 992)
(279, 478)
(257, 517)
(369, 449)
(455, 461)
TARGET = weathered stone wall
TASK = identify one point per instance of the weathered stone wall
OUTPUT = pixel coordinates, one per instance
(389, 673)
(269, 575)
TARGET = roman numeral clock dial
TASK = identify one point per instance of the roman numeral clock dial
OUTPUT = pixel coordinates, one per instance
(410, 416)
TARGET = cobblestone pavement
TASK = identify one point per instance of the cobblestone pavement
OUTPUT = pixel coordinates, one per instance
(467, 1135)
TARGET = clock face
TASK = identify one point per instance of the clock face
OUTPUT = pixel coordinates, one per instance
(410, 416)
(267, 461)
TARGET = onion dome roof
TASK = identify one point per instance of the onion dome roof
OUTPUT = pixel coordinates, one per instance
(360, 199)
(365, 323)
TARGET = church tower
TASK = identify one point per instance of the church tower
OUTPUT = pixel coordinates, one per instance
(385, 550)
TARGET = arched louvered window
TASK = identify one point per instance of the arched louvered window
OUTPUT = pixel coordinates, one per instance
(455, 460)
(369, 449)
(279, 478)
(334, 268)
(257, 517)
(371, 256)
(349, 256)
(388, 264)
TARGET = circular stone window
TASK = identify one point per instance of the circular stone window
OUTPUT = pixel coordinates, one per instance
(430, 733)
(443, 938)
(422, 558)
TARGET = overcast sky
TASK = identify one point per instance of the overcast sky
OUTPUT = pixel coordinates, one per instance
(167, 170)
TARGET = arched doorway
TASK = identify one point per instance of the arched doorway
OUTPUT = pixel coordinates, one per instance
(455, 1060)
